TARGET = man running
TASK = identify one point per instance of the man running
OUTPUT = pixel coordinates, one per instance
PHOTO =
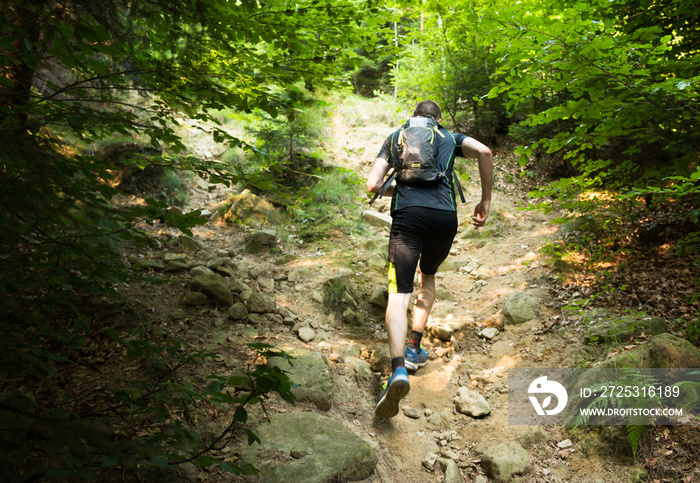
(424, 224)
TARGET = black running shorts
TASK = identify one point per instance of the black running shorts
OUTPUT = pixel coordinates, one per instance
(418, 232)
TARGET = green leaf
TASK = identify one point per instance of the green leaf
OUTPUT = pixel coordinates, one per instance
(109, 461)
(161, 462)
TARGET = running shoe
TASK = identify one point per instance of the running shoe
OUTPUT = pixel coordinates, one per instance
(396, 389)
(414, 358)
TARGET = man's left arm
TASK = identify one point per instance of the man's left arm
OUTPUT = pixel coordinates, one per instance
(473, 149)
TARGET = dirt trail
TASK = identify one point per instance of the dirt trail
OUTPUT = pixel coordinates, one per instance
(509, 255)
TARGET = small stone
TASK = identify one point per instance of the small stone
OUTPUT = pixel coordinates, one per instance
(488, 333)
(193, 298)
(237, 311)
(471, 403)
(336, 358)
(565, 444)
(307, 334)
(429, 461)
(410, 412)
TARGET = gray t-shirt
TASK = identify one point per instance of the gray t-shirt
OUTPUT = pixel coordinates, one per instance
(439, 195)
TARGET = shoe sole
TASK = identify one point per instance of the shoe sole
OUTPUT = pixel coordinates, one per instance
(388, 405)
(414, 366)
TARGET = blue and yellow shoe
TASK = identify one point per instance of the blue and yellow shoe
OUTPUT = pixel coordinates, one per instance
(396, 389)
(415, 358)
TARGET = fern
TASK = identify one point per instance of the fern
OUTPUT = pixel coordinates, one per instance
(634, 435)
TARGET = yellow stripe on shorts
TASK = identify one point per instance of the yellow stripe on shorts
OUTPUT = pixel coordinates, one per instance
(393, 286)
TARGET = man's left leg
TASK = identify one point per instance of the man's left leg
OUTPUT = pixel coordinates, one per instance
(398, 386)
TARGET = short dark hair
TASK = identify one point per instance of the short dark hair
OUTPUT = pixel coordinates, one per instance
(428, 108)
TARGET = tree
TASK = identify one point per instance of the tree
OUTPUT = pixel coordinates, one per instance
(74, 73)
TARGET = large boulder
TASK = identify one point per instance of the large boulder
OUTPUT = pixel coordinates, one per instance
(309, 447)
(312, 374)
(501, 463)
(520, 307)
(248, 208)
(259, 303)
(663, 351)
(213, 286)
(612, 328)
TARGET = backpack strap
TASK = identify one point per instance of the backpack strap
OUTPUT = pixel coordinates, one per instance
(459, 186)
(385, 186)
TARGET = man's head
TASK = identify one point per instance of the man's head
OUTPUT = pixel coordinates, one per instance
(428, 109)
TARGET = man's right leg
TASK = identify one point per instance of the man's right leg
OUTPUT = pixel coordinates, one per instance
(414, 356)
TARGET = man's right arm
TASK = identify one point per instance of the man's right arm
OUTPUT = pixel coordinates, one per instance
(376, 177)
(380, 168)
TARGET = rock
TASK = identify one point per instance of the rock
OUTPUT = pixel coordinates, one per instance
(442, 293)
(260, 303)
(445, 329)
(377, 219)
(237, 311)
(176, 266)
(380, 358)
(267, 284)
(285, 259)
(439, 419)
(353, 350)
(376, 261)
(237, 286)
(248, 208)
(410, 412)
(193, 298)
(335, 357)
(452, 473)
(519, 308)
(564, 444)
(481, 479)
(190, 244)
(173, 257)
(225, 271)
(348, 316)
(663, 351)
(261, 240)
(312, 373)
(379, 296)
(200, 270)
(504, 461)
(307, 334)
(623, 328)
(215, 287)
(488, 333)
(481, 275)
(669, 352)
(471, 403)
(362, 371)
(429, 461)
(331, 452)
